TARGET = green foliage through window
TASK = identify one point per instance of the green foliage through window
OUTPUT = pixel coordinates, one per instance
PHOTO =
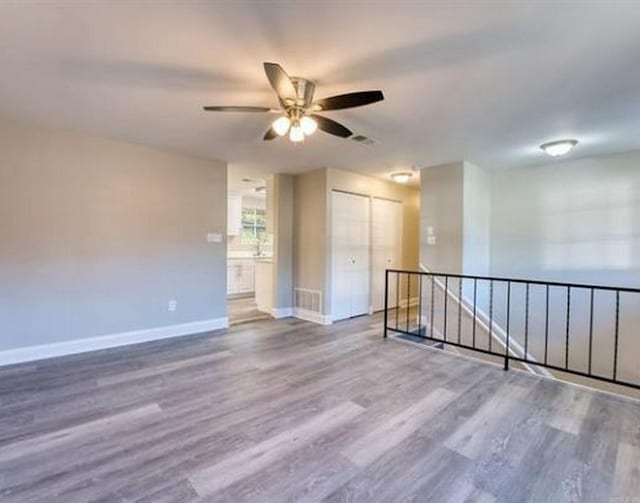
(254, 226)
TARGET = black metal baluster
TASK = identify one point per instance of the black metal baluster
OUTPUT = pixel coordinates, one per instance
(526, 323)
(408, 300)
(506, 343)
(490, 313)
(433, 283)
(446, 295)
(590, 330)
(506, 349)
(475, 296)
(617, 330)
(397, 297)
(420, 305)
(566, 343)
(386, 301)
(546, 327)
(459, 308)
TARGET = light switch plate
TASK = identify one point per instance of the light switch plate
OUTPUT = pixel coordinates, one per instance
(214, 237)
(430, 230)
(431, 240)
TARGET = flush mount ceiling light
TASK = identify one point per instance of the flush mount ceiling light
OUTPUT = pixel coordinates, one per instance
(401, 177)
(558, 148)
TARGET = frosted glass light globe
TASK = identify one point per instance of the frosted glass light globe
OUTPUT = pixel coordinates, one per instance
(281, 125)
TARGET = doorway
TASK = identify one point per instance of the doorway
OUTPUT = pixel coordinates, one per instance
(249, 248)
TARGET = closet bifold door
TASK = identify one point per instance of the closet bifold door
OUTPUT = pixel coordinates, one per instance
(386, 247)
(350, 267)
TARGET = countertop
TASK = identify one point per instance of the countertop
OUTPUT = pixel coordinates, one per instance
(249, 257)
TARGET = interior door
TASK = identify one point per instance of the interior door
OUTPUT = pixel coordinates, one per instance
(361, 255)
(386, 248)
(350, 255)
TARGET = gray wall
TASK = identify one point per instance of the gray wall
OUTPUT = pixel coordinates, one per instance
(97, 236)
(441, 208)
(573, 221)
(476, 221)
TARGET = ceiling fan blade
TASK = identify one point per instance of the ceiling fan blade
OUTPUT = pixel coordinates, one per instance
(349, 100)
(332, 127)
(280, 81)
(236, 109)
(270, 135)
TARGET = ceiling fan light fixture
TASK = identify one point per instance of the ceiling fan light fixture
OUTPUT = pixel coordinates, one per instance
(558, 148)
(281, 125)
(296, 134)
(308, 125)
(297, 108)
(401, 177)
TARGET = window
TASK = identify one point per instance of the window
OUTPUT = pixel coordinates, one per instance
(253, 226)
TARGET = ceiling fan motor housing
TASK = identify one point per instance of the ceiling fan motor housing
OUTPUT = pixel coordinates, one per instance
(304, 90)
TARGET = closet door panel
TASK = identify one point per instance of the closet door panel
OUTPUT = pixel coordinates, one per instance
(386, 248)
(349, 255)
(340, 258)
(360, 291)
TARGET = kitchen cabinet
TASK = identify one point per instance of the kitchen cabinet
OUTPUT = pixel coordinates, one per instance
(240, 276)
(264, 285)
(234, 215)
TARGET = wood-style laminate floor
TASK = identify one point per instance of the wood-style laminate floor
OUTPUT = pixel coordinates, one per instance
(244, 309)
(284, 410)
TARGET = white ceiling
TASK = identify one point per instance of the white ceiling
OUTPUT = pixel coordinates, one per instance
(482, 81)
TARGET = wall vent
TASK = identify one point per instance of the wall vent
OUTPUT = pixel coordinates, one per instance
(362, 139)
(309, 300)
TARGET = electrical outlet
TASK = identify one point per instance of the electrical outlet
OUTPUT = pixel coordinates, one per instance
(173, 305)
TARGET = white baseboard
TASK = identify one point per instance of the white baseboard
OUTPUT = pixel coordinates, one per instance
(307, 315)
(282, 312)
(40, 352)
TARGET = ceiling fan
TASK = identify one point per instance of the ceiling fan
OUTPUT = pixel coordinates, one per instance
(299, 112)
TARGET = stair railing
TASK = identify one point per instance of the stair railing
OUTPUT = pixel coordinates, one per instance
(585, 330)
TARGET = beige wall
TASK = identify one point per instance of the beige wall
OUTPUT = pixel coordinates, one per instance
(282, 241)
(310, 238)
(375, 187)
(313, 220)
(97, 236)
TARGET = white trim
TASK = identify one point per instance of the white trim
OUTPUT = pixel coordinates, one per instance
(281, 312)
(305, 314)
(40, 352)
